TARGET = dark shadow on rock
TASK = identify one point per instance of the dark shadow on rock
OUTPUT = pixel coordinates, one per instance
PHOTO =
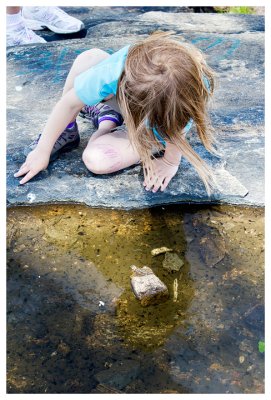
(52, 37)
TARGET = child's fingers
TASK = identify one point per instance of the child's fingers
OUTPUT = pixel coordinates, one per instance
(157, 185)
(153, 184)
(165, 183)
(148, 183)
(27, 177)
(22, 171)
(146, 177)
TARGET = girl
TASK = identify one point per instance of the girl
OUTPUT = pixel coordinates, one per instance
(158, 86)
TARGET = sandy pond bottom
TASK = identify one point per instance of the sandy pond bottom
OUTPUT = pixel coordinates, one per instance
(74, 325)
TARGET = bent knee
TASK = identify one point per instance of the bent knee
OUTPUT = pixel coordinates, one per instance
(93, 160)
(102, 159)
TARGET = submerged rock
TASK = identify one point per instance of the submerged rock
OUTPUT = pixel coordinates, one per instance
(119, 374)
(160, 250)
(208, 243)
(147, 287)
(101, 388)
(212, 249)
(172, 262)
(254, 318)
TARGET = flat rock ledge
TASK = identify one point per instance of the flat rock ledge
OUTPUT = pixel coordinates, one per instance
(234, 46)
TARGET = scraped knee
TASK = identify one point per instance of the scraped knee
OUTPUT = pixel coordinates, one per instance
(102, 159)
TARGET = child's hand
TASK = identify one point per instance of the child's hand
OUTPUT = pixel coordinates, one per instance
(35, 162)
(163, 172)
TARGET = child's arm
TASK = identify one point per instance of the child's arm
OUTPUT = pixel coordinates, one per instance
(164, 169)
(63, 113)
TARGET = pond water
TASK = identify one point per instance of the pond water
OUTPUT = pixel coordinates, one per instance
(75, 326)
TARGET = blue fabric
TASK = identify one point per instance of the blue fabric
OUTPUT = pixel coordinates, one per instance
(101, 80)
(159, 137)
(186, 129)
(207, 83)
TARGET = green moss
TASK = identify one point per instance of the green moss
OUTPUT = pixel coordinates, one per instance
(235, 10)
(261, 346)
(241, 10)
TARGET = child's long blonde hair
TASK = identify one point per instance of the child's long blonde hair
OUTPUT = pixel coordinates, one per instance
(163, 85)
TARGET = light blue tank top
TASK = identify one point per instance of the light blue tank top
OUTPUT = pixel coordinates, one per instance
(101, 80)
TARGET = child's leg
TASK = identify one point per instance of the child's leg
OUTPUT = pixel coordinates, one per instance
(108, 152)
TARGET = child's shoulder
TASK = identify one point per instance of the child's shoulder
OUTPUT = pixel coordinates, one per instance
(101, 79)
(116, 58)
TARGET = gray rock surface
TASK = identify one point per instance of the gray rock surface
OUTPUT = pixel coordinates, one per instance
(234, 46)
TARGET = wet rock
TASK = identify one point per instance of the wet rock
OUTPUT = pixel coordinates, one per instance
(119, 375)
(254, 318)
(19, 248)
(212, 251)
(160, 250)
(246, 346)
(147, 287)
(210, 243)
(170, 391)
(106, 389)
(12, 231)
(172, 262)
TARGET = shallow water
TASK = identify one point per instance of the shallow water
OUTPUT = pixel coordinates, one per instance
(75, 326)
